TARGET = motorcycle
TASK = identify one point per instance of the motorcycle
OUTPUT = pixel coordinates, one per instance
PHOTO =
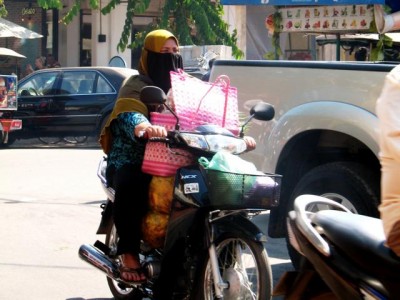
(345, 256)
(212, 249)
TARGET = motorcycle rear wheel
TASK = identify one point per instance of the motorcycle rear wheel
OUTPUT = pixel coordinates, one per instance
(119, 291)
(243, 263)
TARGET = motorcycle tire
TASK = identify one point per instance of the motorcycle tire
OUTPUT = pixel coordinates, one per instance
(119, 291)
(249, 278)
(358, 191)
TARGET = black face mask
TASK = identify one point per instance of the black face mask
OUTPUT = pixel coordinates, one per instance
(160, 64)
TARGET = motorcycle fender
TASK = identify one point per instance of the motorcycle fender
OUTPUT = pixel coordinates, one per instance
(240, 226)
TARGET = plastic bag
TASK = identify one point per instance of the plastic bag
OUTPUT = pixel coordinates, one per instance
(227, 162)
(228, 177)
(155, 222)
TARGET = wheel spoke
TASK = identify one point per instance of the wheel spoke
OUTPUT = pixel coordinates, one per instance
(239, 268)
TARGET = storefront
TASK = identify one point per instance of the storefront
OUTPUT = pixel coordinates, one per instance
(26, 14)
(300, 21)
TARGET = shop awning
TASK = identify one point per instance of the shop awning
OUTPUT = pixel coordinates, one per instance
(10, 29)
(10, 53)
(300, 2)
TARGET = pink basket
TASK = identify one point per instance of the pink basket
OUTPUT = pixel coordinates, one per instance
(205, 102)
(159, 159)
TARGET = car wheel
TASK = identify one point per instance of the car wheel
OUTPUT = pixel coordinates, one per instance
(50, 140)
(75, 139)
(349, 183)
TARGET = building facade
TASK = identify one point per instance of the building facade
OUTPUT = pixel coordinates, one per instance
(92, 38)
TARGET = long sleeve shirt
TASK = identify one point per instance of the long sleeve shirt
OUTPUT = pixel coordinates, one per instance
(126, 148)
(388, 111)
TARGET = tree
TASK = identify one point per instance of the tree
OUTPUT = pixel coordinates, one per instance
(3, 11)
(194, 22)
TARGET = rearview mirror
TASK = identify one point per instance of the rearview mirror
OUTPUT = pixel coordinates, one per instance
(152, 95)
(262, 111)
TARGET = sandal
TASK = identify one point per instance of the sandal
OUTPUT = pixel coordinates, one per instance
(137, 271)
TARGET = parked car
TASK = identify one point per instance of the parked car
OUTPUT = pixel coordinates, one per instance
(70, 101)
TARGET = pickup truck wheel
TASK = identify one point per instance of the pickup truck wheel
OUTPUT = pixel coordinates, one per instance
(348, 183)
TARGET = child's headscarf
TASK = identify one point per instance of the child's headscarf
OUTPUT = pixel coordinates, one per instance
(155, 64)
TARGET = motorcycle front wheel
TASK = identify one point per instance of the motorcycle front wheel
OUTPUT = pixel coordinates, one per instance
(119, 291)
(243, 264)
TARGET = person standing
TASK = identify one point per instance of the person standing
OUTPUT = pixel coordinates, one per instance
(388, 110)
(28, 70)
(51, 62)
(120, 140)
(40, 63)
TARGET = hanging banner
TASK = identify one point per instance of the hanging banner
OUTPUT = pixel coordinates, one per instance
(326, 18)
(300, 2)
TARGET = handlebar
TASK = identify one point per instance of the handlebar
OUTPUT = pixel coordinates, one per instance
(160, 139)
(204, 141)
(302, 206)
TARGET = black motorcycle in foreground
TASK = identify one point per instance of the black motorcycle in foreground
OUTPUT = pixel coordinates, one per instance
(212, 249)
(345, 256)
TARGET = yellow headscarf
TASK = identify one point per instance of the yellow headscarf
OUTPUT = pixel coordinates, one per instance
(127, 97)
(154, 41)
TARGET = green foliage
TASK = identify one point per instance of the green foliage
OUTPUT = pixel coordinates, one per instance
(74, 11)
(378, 52)
(134, 6)
(275, 40)
(110, 6)
(3, 11)
(48, 4)
(385, 43)
(194, 22)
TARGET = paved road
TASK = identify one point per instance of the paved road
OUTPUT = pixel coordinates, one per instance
(49, 206)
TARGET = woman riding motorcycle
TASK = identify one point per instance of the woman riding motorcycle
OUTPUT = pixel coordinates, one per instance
(120, 141)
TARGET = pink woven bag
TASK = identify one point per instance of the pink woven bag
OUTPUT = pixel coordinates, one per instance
(205, 102)
(159, 159)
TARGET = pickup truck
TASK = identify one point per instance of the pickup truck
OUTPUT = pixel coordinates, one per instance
(324, 137)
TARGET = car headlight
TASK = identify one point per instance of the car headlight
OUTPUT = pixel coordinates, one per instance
(215, 143)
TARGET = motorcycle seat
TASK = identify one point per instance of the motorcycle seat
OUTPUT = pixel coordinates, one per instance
(362, 240)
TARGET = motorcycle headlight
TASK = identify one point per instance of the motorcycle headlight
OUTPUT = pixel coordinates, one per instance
(215, 143)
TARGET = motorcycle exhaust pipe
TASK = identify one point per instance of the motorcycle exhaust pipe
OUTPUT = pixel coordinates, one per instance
(96, 258)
